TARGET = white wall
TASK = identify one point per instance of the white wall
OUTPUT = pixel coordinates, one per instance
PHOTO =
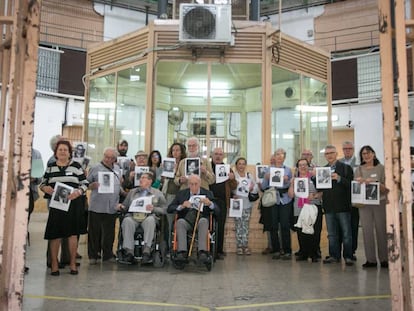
(366, 119)
(119, 21)
(49, 119)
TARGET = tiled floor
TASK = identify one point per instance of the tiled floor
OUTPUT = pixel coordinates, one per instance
(237, 283)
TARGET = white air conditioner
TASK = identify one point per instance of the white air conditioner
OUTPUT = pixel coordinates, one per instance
(205, 23)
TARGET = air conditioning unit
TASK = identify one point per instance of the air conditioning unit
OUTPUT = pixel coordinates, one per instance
(205, 24)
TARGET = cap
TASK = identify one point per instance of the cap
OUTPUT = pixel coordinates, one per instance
(141, 153)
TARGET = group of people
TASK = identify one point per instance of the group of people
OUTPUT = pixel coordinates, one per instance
(341, 215)
(167, 197)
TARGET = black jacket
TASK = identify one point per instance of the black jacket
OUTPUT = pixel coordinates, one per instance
(184, 195)
(338, 198)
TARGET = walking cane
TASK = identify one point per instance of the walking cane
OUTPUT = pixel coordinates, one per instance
(194, 229)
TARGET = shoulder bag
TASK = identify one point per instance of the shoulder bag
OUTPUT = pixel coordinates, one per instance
(269, 197)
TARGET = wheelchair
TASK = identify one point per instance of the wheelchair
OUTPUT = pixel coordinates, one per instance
(158, 250)
(192, 245)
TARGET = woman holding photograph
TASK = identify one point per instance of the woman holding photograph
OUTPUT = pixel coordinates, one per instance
(373, 217)
(65, 224)
(245, 182)
(308, 243)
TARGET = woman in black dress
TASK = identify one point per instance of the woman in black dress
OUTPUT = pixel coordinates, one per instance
(65, 224)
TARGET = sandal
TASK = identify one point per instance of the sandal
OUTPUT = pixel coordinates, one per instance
(239, 251)
(247, 251)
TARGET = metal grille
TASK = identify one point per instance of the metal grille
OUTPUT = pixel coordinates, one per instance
(369, 77)
(48, 70)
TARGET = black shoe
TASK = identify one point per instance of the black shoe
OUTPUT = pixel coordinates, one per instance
(203, 257)
(330, 259)
(55, 273)
(130, 259)
(369, 265)
(181, 256)
(315, 259)
(74, 272)
(219, 256)
(298, 253)
(301, 258)
(146, 258)
(384, 264)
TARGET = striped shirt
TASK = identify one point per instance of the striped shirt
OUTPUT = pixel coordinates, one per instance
(71, 175)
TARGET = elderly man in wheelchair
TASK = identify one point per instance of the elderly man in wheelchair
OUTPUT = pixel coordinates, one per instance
(142, 207)
(193, 207)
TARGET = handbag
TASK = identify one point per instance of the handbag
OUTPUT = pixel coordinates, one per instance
(269, 197)
(253, 196)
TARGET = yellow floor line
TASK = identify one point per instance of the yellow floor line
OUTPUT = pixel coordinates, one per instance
(160, 304)
(292, 302)
(133, 302)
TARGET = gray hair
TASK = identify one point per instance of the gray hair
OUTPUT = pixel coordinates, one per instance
(280, 150)
(112, 149)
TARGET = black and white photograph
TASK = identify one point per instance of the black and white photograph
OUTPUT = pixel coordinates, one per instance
(196, 203)
(365, 193)
(276, 176)
(60, 196)
(124, 163)
(323, 178)
(79, 154)
(371, 192)
(106, 182)
(242, 187)
(222, 172)
(356, 187)
(140, 205)
(139, 170)
(192, 166)
(236, 208)
(168, 167)
(261, 172)
(301, 188)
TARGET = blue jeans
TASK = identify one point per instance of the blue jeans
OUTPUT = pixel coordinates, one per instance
(336, 222)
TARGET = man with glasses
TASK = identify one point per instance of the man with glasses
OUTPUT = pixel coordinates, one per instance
(337, 207)
(350, 159)
(102, 208)
(206, 172)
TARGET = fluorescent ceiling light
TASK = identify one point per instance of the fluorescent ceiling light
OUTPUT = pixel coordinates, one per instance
(334, 118)
(203, 93)
(304, 108)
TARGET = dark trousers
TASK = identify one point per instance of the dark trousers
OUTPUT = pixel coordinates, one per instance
(309, 243)
(101, 235)
(354, 229)
(221, 222)
(281, 215)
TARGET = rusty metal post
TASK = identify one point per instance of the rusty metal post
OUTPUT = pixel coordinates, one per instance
(20, 91)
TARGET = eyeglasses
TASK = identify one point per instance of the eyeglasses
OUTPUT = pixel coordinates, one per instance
(192, 145)
(348, 148)
(155, 156)
(329, 153)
